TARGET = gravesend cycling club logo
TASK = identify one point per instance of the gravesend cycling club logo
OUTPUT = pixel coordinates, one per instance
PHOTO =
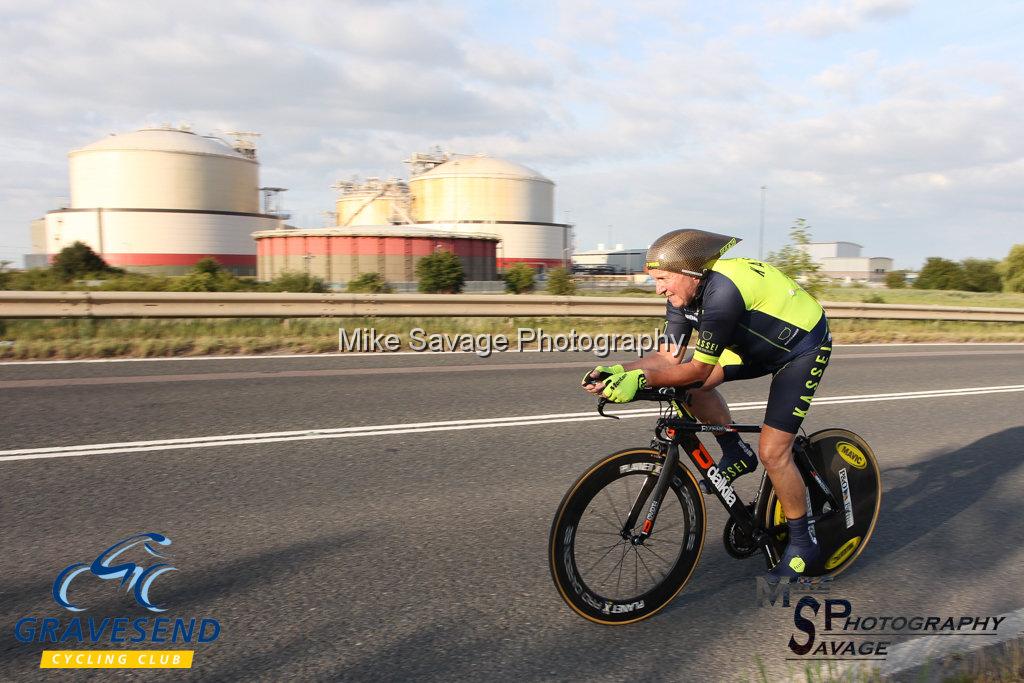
(133, 564)
(137, 578)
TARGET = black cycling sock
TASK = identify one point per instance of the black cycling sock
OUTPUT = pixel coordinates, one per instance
(801, 552)
(738, 458)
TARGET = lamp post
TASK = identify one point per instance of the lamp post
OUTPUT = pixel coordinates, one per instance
(760, 241)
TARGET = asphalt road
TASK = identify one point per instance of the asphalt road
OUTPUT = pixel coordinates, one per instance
(419, 553)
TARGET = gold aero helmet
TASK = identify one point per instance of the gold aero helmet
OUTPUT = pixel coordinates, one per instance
(687, 251)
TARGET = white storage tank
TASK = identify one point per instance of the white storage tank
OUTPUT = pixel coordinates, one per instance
(160, 199)
(163, 168)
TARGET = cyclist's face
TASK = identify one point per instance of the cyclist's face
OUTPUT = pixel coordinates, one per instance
(678, 288)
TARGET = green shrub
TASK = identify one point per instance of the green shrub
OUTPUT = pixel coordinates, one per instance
(369, 283)
(291, 281)
(560, 282)
(440, 273)
(207, 275)
(1012, 269)
(981, 275)
(135, 282)
(940, 273)
(35, 280)
(79, 261)
(873, 299)
(519, 279)
(896, 279)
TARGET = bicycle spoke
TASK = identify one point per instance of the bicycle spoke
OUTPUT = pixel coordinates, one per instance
(614, 567)
(636, 570)
(610, 523)
(612, 503)
(593, 566)
(618, 581)
(671, 526)
(648, 569)
(651, 550)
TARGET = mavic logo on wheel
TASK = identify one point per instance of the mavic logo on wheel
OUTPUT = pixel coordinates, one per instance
(134, 577)
(852, 455)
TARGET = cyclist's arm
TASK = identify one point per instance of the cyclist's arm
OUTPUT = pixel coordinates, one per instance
(673, 345)
(723, 306)
(665, 357)
(693, 372)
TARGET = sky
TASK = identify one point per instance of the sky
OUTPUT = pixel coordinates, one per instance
(895, 124)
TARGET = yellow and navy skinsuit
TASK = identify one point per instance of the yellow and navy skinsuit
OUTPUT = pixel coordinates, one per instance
(753, 320)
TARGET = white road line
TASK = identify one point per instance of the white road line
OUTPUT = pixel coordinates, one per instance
(18, 363)
(448, 425)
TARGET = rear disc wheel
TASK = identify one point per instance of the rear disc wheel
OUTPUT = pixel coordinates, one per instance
(848, 466)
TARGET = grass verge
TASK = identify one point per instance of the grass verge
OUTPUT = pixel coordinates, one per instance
(80, 338)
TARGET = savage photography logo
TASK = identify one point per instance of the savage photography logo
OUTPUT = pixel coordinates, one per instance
(831, 629)
(132, 564)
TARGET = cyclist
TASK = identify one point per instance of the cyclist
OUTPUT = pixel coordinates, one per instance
(751, 320)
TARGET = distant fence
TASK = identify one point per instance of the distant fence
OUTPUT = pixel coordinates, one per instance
(277, 305)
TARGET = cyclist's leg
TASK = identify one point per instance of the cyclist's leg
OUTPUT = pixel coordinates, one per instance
(789, 399)
(738, 458)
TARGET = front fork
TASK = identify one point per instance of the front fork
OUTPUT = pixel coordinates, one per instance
(658, 487)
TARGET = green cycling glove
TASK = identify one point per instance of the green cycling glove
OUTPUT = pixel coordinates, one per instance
(611, 370)
(622, 387)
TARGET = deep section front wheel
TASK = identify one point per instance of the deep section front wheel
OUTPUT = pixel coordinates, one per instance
(598, 570)
(848, 466)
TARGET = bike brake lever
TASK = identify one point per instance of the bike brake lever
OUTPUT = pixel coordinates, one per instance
(600, 409)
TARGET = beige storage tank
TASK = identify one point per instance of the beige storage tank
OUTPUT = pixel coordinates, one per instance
(374, 202)
(460, 193)
(163, 168)
(481, 189)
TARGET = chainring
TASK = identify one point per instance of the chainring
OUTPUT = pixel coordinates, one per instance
(737, 542)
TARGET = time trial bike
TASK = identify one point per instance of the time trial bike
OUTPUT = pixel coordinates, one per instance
(629, 532)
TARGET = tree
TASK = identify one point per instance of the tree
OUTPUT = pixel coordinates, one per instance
(79, 260)
(896, 279)
(940, 273)
(207, 265)
(440, 273)
(519, 279)
(1012, 269)
(207, 275)
(560, 282)
(796, 262)
(371, 283)
(981, 275)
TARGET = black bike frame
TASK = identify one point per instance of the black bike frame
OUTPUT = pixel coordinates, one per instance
(673, 434)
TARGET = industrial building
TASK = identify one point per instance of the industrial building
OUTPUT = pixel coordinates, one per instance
(842, 261)
(158, 200)
(617, 260)
(470, 205)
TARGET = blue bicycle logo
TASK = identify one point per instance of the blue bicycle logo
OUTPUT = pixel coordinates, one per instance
(138, 579)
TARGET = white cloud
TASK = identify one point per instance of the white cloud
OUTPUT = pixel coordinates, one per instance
(645, 118)
(824, 19)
